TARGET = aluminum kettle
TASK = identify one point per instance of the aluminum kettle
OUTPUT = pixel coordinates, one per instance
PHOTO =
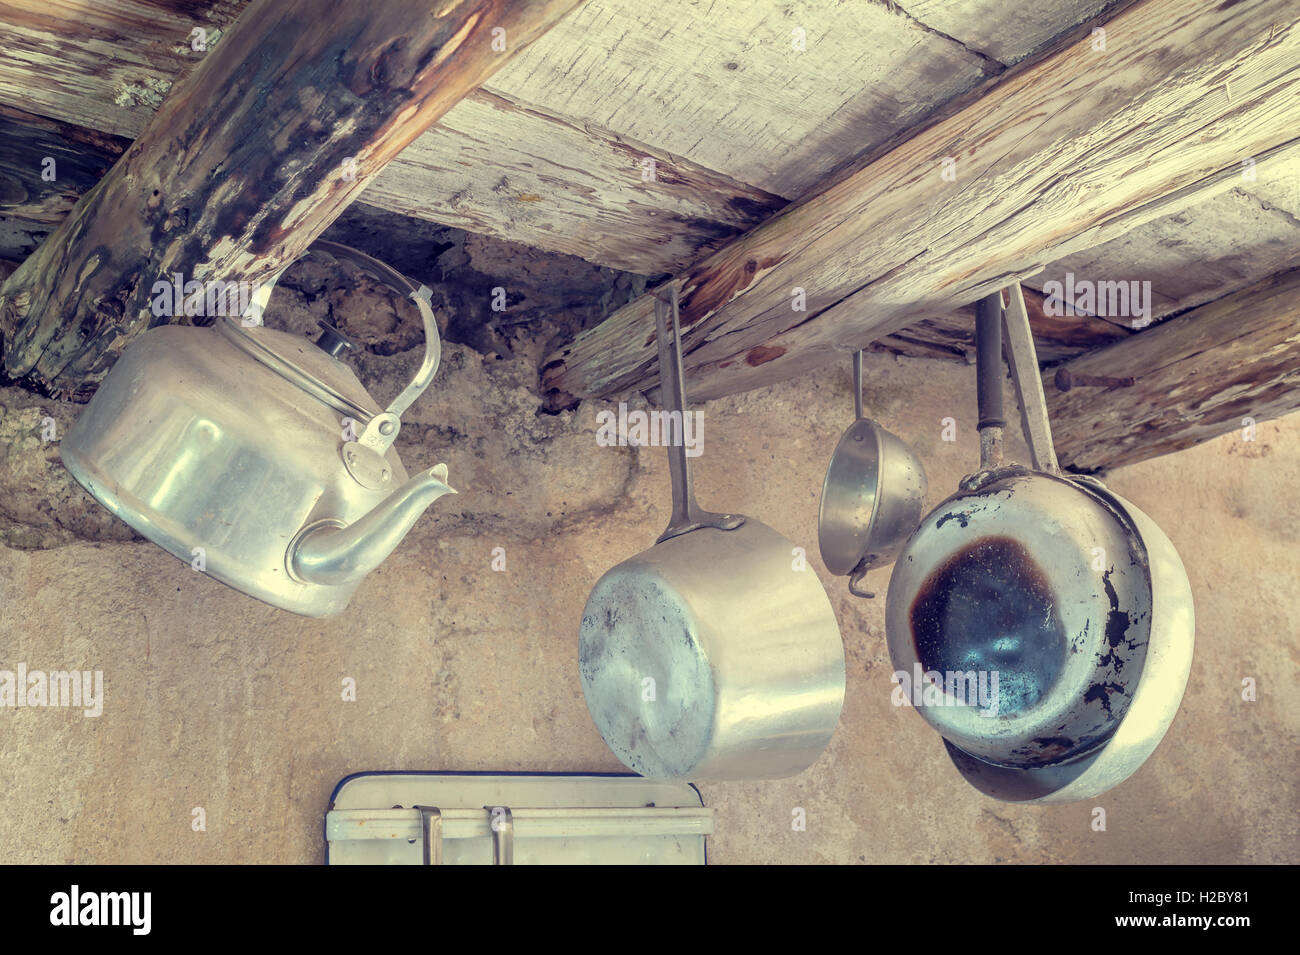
(257, 456)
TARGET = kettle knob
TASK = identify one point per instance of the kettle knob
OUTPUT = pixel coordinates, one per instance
(332, 341)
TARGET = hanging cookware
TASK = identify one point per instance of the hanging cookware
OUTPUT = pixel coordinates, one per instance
(1043, 624)
(715, 654)
(871, 498)
(255, 455)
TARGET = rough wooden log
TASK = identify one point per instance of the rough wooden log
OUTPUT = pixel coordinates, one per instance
(248, 159)
(1070, 151)
(1199, 375)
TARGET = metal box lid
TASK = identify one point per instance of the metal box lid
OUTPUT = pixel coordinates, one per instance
(387, 818)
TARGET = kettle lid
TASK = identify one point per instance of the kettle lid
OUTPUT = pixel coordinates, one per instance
(318, 372)
(304, 364)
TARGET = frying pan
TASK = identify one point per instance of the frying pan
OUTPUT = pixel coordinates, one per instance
(1066, 593)
(710, 655)
(871, 498)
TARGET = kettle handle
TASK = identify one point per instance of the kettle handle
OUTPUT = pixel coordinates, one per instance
(393, 279)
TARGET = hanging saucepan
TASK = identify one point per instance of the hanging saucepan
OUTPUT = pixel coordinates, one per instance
(1043, 624)
(711, 655)
(871, 498)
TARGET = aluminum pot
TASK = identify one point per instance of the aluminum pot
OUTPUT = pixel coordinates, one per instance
(1043, 624)
(714, 654)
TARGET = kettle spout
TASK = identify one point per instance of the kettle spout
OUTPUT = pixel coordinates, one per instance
(338, 555)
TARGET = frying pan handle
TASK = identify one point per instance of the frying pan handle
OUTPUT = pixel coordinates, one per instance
(857, 383)
(1023, 359)
(988, 379)
(687, 515)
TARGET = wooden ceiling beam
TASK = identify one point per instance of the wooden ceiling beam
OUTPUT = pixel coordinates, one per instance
(1075, 149)
(83, 156)
(951, 335)
(247, 160)
(1209, 371)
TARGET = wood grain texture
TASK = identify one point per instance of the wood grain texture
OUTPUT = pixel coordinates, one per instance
(952, 336)
(721, 82)
(1198, 376)
(105, 65)
(244, 164)
(1066, 153)
(981, 24)
(80, 158)
(84, 156)
(503, 168)
(1194, 256)
(492, 165)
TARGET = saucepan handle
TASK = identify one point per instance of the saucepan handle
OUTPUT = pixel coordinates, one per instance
(687, 515)
(857, 383)
(988, 379)
(1023, 359)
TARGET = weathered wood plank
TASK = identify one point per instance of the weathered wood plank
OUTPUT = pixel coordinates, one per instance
(492, 165)
(952, 336)
(981, 24)
(1070, 151)
(1199, 375)
(249, 158)
(1198, 254)
(105, 65)
(773, 94)
(84, 155)
(503, 168)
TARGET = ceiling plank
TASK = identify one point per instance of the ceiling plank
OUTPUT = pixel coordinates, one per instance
(1199, 375)
(1196, 255)
(499, 167)
(249, 158)
(773, 94)
(979, 24)
(1072, 150)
